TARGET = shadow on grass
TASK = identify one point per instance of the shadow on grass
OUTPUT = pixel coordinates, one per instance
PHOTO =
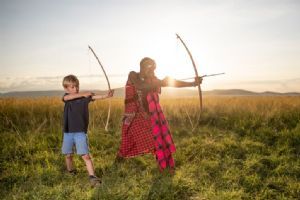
(162, 187)
(134, 178)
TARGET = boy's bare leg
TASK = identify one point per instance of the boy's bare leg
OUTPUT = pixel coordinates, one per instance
(89, 164)
(95, 181)
(69, 162)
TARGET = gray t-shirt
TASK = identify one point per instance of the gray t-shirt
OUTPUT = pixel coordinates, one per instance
(76, 115)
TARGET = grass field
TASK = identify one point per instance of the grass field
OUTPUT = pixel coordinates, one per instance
(241, 148)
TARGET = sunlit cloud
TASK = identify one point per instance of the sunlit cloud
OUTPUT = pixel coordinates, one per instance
(89, 81)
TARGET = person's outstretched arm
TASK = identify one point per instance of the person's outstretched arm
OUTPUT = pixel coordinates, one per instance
(69, 97)
(141, 85)
(170, 82)
(166, 82)
(108, 95)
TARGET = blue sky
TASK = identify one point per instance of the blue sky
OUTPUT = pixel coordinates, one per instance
(256, 43)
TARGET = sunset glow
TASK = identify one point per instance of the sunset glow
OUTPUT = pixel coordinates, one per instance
(256, 43)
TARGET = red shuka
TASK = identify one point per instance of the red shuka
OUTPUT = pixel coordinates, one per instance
(145, 131)
(137, 135)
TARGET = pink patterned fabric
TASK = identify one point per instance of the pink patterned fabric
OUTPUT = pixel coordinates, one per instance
(164, 145)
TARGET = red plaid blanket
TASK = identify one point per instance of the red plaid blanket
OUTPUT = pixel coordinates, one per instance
(164, 145)
(136, 129)
(145, 132)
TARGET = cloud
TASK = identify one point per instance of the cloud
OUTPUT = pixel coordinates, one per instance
(88, 81)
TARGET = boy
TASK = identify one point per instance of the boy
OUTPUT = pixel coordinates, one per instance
(76, 119)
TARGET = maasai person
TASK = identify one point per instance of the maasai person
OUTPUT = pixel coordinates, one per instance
(145, 129)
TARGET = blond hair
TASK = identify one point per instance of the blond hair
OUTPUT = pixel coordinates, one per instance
(70, 80)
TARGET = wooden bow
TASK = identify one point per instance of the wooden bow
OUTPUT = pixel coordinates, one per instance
(195, 69)
(108, 113)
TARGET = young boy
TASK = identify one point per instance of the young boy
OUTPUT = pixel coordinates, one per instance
(76, 119)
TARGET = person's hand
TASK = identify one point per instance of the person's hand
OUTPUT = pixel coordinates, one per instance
(198, 80)
(110, 93)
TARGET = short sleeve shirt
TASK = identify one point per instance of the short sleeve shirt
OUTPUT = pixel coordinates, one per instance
(76, 114)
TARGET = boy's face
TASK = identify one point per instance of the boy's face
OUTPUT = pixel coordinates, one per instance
(71, 89)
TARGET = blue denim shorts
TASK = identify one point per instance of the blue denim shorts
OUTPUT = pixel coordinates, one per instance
(79, 140)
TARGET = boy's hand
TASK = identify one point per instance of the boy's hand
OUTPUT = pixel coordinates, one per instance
(110, 93)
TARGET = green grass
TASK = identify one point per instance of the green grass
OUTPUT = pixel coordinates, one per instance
(241, 148)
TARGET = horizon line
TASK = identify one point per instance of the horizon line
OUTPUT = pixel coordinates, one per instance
(245, 90)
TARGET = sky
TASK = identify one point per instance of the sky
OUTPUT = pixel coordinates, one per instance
(255, 43)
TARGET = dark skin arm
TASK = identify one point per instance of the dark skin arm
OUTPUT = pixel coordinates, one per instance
(170, 82)
(134, 79)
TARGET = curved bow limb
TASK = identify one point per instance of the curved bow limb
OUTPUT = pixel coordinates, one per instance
(108, 113)
(195, 69)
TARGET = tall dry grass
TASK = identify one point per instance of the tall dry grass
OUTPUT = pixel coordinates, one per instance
(241, 148)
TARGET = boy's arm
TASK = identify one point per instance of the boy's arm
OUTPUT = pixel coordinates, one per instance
(104, 96)
(69, 97)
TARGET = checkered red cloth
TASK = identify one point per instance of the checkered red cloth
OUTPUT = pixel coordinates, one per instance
(137, 135)
(164, 145)
(145, 130)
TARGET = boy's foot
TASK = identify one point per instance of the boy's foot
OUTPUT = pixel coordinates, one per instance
(72, 172)
(95, 181)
